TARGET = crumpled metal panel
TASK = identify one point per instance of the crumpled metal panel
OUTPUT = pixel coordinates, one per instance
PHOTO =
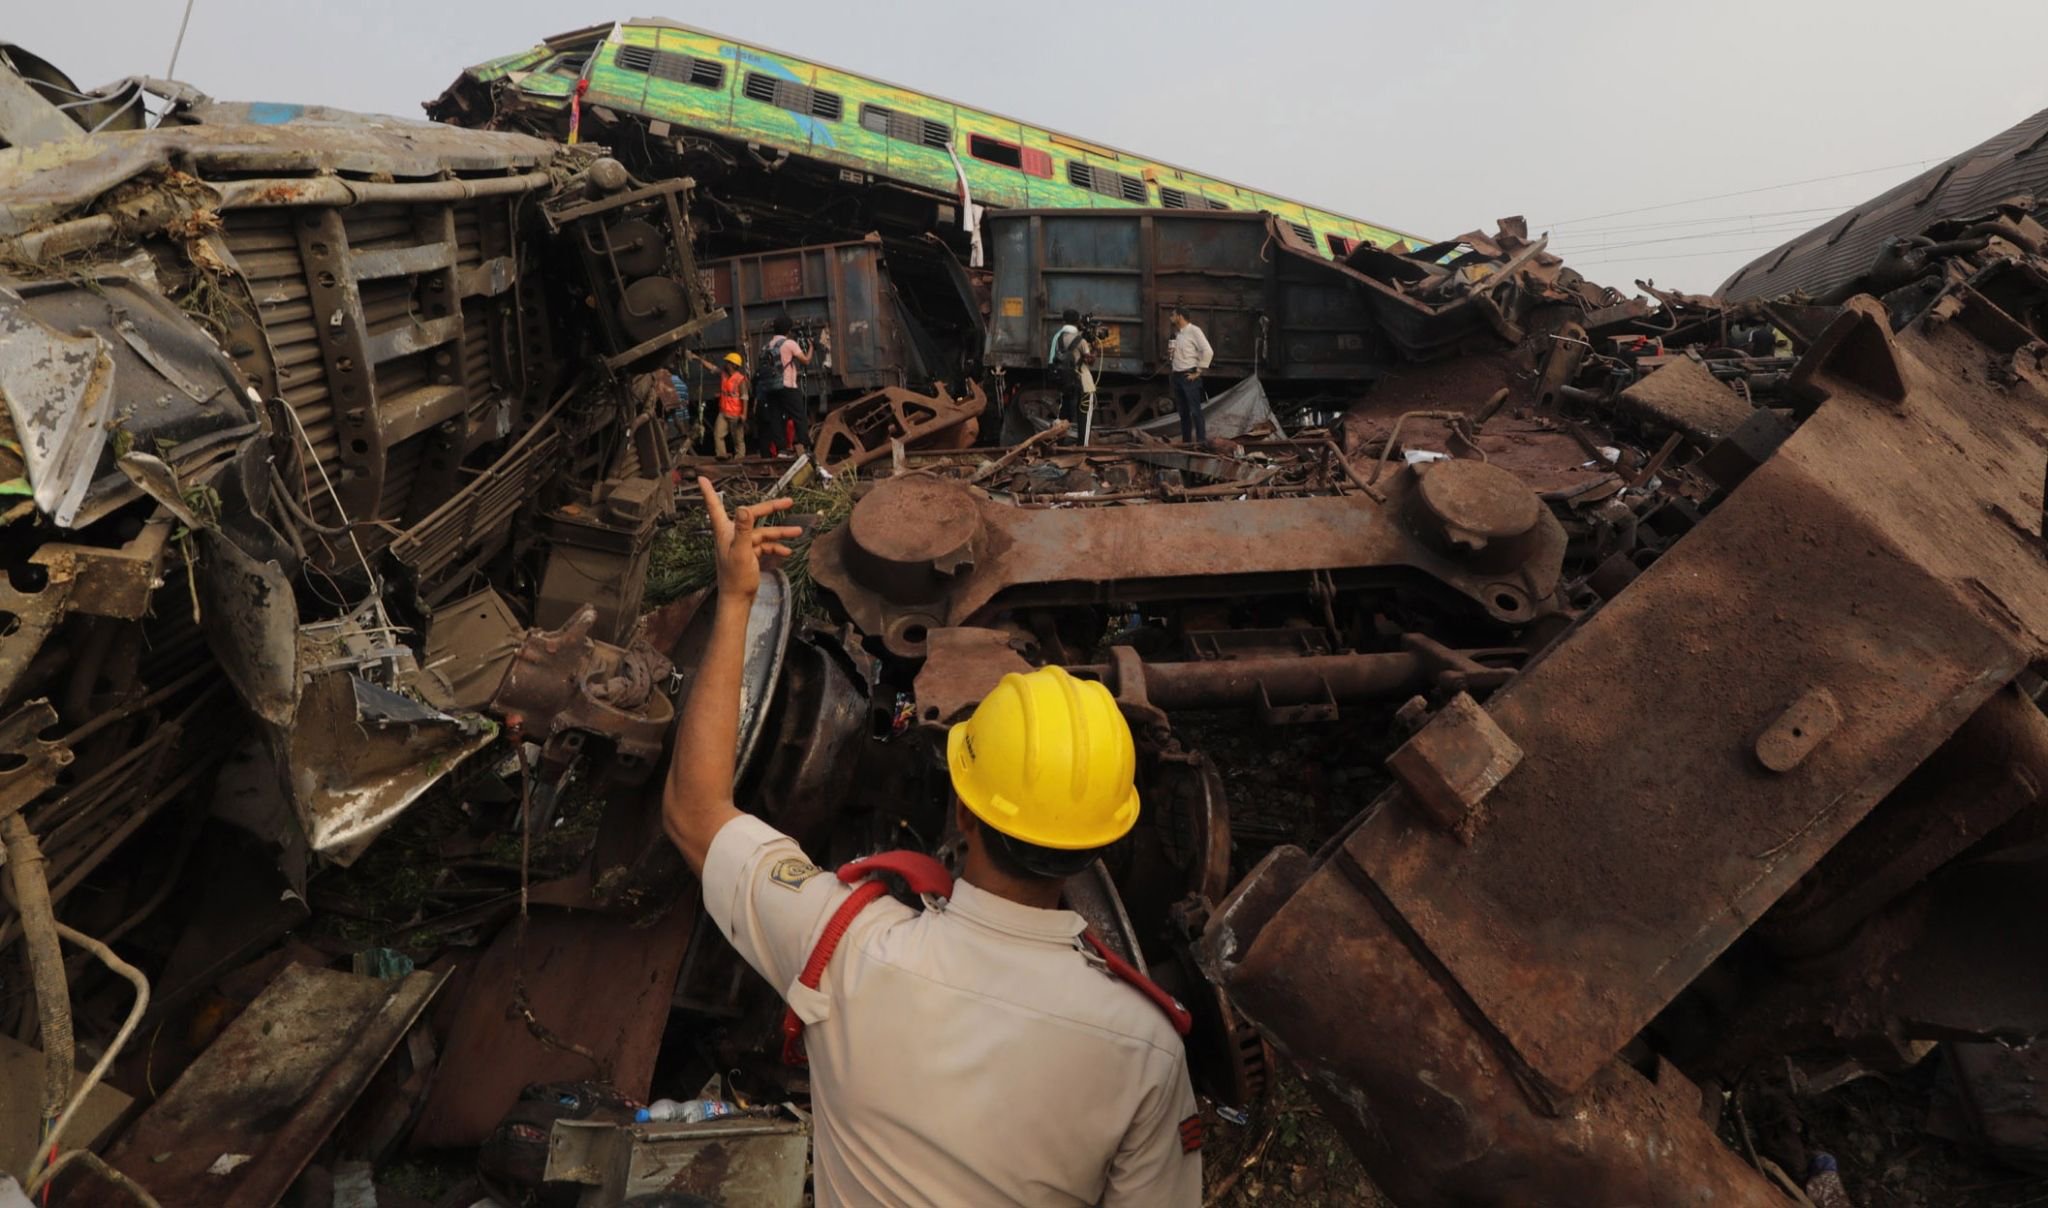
(241, 1122)
(743, 1161)
(52, 179)
(59, 391)
(81, 361)
(358, 750)
(1679, 775)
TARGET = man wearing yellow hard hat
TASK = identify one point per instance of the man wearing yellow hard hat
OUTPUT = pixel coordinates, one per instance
(731, 423)
(986, 1050)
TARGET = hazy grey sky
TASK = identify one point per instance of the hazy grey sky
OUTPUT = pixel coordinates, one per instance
(1589, 118)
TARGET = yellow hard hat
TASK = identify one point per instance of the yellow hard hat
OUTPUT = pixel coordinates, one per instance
(1048, 759)
(734, 358)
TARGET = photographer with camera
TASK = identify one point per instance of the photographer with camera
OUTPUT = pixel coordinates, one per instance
(785, 426)
(1069, 356)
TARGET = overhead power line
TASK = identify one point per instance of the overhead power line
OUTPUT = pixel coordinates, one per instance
(1729, 233)
(1813, 180)
(1704, 219)
(1659, 257)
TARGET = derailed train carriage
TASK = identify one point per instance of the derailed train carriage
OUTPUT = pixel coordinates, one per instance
(1704, 678)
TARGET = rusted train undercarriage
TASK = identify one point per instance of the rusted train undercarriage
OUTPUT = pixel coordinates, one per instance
(1690, 651)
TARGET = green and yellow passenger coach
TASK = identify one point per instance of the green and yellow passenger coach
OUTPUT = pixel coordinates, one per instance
(687, 82)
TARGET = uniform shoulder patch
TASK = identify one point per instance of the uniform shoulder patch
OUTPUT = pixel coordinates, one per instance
(1191, 1134)
(791, 872)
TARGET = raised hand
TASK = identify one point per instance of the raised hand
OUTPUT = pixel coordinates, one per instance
(740, 542)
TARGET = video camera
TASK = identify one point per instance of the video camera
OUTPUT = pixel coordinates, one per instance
(1093, 329)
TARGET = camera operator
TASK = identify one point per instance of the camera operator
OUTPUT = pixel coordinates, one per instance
(788, 427)
(1069, 356)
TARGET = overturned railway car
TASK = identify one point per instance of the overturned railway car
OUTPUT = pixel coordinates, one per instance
(781, 140)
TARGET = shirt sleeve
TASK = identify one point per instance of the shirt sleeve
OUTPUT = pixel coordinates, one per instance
(1203, 353)
(1160, 1160)
(768, 898)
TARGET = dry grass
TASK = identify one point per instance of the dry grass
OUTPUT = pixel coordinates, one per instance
(683, 559)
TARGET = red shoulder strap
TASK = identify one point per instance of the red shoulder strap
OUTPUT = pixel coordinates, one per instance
(1177, 1015)
(927, 877)
(924, 875)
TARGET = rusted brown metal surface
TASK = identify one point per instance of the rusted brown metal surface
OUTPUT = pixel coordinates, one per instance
(242, 1121)
(529, 1013)
(1427, 1102)
(920, 554)
(865, 429)
(1918, 638)
(1617, 842)
(563, 686)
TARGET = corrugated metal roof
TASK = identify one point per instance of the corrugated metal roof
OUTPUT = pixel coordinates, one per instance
(1844, 247)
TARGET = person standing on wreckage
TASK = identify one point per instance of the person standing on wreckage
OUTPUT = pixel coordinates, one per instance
(1188, 356)
(985, 1050)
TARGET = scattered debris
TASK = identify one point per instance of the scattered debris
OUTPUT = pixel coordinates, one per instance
(1652, 678)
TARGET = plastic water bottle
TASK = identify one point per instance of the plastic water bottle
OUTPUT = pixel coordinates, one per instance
(690, 1111)
(1824, 1183)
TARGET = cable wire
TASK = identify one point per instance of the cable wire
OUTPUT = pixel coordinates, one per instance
(1812, 180)
(171, 72)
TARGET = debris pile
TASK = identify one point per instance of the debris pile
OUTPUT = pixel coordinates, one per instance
(1662, 668)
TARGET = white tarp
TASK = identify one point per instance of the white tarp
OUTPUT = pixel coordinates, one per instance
(1237, 411)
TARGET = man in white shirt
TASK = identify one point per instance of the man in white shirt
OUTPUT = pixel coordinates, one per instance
(983, 1052)
(1188, 355)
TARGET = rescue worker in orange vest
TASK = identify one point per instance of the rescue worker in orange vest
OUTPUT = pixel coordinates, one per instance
(978, 1052)
(732, 406)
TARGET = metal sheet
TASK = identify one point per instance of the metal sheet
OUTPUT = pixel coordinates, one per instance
(1640, 835)
(741, 1162)
(838, 288)
(59, 392)
(599, 981)
(1419, 1093)
(1266, 307)
(270, 1089)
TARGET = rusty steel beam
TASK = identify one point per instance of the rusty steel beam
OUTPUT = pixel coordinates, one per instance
(1241, 682)
(920, 554)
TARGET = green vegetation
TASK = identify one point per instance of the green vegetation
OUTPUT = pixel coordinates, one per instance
(683, 561)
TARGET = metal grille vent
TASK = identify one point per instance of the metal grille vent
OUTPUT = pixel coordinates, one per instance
(1106, 182)
(669, 65)
(904, 127)
(795, 97)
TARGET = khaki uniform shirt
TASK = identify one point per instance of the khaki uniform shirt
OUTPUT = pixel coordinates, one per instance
(962, 1056)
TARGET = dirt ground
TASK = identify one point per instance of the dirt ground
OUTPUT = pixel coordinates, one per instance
(1284, 1153)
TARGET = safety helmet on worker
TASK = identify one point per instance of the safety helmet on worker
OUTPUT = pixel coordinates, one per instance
(734, 358)
(1048, 760)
